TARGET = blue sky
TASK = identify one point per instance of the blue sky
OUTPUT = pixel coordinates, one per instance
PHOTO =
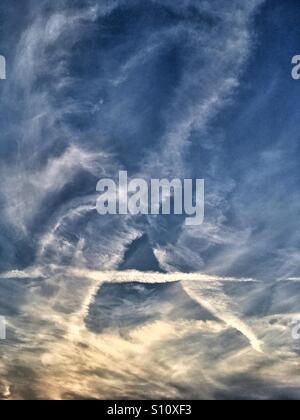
(160, 88)
(154, 89)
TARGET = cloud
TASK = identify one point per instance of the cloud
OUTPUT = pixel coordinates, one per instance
(96, 87)
(69, 361)
(84, 111)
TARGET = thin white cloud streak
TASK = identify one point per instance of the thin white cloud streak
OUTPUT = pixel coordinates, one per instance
(217, 304)
(148, 277)
(27, 182)
(75, 362)
(25, 190)
(221, 307)
(214, 75)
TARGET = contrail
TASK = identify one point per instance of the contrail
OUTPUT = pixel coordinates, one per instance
(148, 277)
(189, 281)
(220, 309)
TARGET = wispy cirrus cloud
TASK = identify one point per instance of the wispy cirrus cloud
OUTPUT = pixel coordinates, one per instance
(100, 86)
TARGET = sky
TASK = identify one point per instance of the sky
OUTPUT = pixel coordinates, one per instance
(145, 307)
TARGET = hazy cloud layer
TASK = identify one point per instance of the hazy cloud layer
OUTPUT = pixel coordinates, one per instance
(161, 89)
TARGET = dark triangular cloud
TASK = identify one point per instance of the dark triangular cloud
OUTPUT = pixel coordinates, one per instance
(140, 256)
